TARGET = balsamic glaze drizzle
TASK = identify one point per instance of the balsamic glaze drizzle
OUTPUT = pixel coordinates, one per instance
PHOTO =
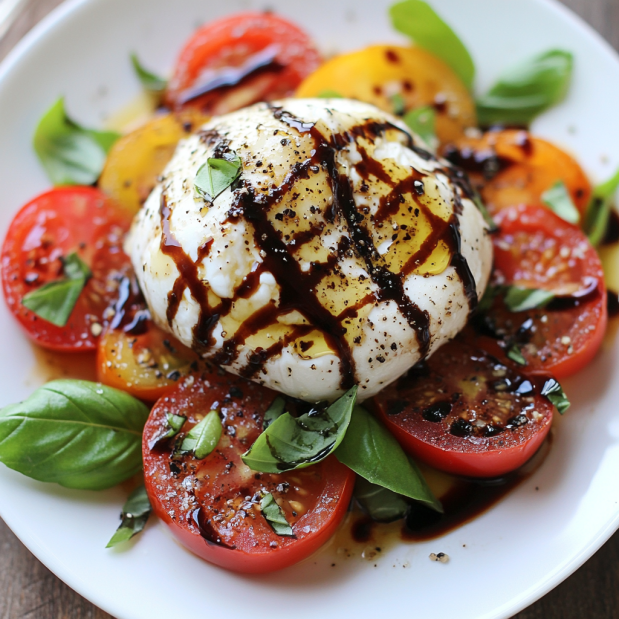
(297, 286)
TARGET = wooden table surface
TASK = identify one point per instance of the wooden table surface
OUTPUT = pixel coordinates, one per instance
(28, 590)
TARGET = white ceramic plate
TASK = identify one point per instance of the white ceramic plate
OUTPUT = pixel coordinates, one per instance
(500, 562)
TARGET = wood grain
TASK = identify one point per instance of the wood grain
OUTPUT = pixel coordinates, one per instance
(29, 591)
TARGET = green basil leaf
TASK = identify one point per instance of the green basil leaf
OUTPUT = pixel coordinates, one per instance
(70, 154)
(55, 301)
(216, 175)
(515, 354)
(422, 121)
(418, 20)
(487, 300)
(203, 437)
(275, 516)
(378, 503)
(371, 451)
(559, 200)
(399, 104)
(522, 299)
(173, 426)
(133, 518)
(598, 211)
(292, 443)
(274, 411)
(330, 94)
(150, 82)
(555, 394)
(527, 89)
(75, 433)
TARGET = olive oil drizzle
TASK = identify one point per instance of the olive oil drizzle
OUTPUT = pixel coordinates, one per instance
(297, 287)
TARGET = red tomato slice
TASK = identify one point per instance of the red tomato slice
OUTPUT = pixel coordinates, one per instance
(467, 413)
(239, 60)
(212, 505)
(53, 225)
(537, 249)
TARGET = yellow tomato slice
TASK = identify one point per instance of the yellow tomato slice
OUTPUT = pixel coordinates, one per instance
(138, 158)
(378, 73)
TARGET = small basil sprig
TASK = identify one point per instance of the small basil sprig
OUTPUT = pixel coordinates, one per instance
(527, 89)
(372, 452)
(598, 211)
(70, 154)
(172, 427)
(276, 410)
(519, 299)
(55, 301)
(275, 516)
(555, 394)
(75, 433)
(133, 518)
(418, 20)
(203, 437)
(378, 503)
(292, 443)
(559, 200)
(150, 82)
(216, 175)
(515, 354)
(422, 121)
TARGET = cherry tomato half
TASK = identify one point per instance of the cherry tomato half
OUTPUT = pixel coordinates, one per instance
(241, 59)
(467, 413)
(53, 225)
(212, 505)
(537, 249)
(512, 167)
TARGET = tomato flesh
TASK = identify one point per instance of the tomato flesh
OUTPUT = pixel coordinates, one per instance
(212, 505)
(467, 413)
(537, 249)
(53, 225)
(239, 60)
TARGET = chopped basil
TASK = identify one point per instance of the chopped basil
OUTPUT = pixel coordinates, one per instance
(275, 516)
(133, 518)
(399, 104)
(555, 394)
(371, 451)
(490, 294)
(55, 301)
(378, 503)
(559, 200)
(418, 20)
(527, 89)
(422, 121)
(515, 354)
(598, 211)
(492, 227)
(274, 411)
(173, 426)
(75, 433)
(150, 82)
(203, 437)
(70, 154)
(216, 175)
(291, 443)
(522, 299)
(330, 94)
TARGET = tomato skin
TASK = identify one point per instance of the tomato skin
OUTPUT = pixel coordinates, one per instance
(219, 484)
(51, 226)
(528, 252)
(451, 373)
(512, 167)
(229, 43)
